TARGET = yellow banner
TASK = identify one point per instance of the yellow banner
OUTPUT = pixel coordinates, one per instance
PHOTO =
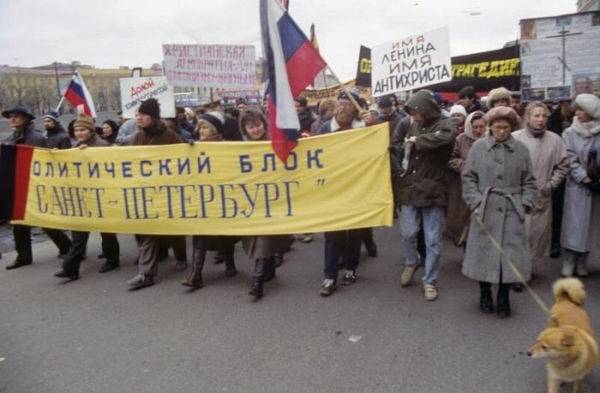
(330, 182)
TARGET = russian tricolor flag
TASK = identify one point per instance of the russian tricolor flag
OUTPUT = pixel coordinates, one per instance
(292, 63)
(77, 94)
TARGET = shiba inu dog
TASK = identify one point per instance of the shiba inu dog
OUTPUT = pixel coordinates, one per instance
(568, 344)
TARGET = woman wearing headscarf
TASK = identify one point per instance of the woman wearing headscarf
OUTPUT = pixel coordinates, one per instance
(499, 187)
(458, 216)
(582, 192)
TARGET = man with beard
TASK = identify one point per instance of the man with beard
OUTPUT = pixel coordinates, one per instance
(21, 122)
(56, 136)
(342, 243)
(150, 131)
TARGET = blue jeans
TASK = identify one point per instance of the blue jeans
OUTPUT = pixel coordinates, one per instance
(433, 218)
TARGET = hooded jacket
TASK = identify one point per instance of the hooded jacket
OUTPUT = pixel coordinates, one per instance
(425, 180)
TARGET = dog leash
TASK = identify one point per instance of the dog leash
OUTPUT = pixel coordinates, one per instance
(516, 271)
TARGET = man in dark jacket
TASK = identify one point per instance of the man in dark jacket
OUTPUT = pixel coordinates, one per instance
(347, 243)
(305, 115)
(24, 133)
(56, 136)
(467, 97)
(387, 112)
(422, 188)
(150, 131)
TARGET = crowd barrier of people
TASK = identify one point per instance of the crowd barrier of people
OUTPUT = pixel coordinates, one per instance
(530, 172)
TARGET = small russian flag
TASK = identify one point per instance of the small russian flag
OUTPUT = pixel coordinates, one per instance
(77, 94)
(292, 64)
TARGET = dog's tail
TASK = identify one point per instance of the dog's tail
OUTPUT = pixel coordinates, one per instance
(571, 289)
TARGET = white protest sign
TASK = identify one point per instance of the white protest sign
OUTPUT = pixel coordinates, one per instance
(230, 67)
(411, 63)
(136, 90)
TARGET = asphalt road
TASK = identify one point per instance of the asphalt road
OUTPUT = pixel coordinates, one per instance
(93, 336)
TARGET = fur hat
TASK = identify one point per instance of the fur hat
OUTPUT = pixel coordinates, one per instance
(215, 119)
(503, 113)
(590, 104)
(85, 121)
(51, 115)
(458, 109)
(151, 108)
(499, 94)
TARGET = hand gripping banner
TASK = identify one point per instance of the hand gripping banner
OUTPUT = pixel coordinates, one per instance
(330, 182)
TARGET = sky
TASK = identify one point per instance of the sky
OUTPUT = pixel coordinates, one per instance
(106, 33)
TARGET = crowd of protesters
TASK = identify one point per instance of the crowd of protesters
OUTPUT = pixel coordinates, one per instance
(523, 175)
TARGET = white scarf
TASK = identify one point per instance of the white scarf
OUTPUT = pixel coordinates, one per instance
(587, 129)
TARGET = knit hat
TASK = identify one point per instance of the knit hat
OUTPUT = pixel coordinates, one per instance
(151, 108)
(503, 113)
(85, 121)
(51, 115)
(458, 109)
(216, 119)
(499, 94)
(589, 103)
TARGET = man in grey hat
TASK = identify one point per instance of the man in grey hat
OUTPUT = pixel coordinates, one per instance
(24, 133)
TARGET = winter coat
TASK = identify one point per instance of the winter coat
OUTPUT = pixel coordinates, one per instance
(30, 136)
(458, 215)
(498, 185)
(550, 166)
(158, 135)
(394, 119)
(266, 246)
(57, 137)
(306, 119)
(94, 141)
(579, 229)
(425, 182)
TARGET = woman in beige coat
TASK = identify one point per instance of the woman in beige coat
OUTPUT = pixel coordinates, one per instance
(550, 166)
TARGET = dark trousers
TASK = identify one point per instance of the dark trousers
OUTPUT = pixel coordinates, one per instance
(558, 200)
(177, 243)
(342, 244)
(110, 248)
(22, 235)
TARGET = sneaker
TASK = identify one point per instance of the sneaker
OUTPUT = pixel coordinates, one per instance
(407, 275)
(430, 292)
(349, 278)
(328, 287)
(140, 281)
(307, 238)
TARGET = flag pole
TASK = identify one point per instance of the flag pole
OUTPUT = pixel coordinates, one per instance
(60, 103)
(348, 93)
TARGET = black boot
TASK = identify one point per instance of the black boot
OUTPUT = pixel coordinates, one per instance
(260, 270)
(270, 269)
(194, 279)
(230, 269)
(503, 302)
(486, 303)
